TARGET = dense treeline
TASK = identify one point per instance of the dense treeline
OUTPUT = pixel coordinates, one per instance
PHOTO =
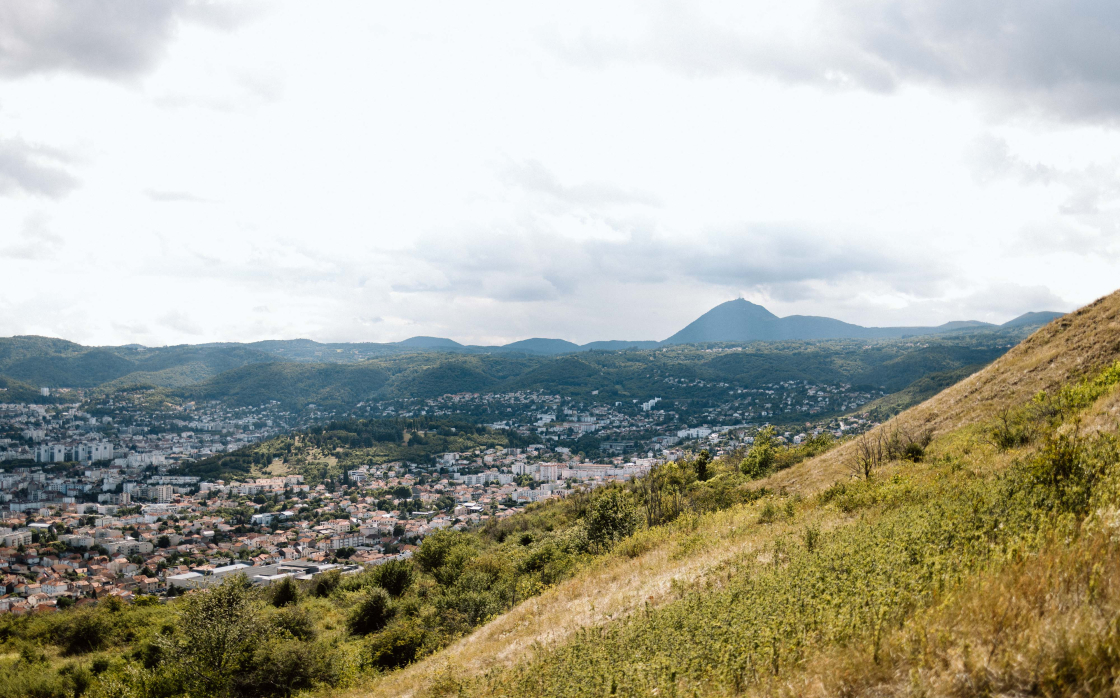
(244, 376)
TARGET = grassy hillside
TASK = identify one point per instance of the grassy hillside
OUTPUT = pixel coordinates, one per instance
(981, 565)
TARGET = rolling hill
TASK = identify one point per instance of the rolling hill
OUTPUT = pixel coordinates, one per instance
(694, 376)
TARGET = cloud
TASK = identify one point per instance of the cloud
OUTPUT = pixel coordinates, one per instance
(781, 261)
(173, 196)
(1058, 59)
(38, 242)
(33, 169)
(534, 177)
(1086, 222)
(179, 321)
(116, 40)
(989, 158)
(132, 330)
(1062, 59)
(1008, 301)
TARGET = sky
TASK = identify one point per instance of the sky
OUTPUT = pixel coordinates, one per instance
(185, 172)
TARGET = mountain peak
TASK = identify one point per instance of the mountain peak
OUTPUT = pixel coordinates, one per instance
(737, 320)
(740, 320)
(423, 342)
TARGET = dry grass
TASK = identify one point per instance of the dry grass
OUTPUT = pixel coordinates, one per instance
(1046, 625)
(1064, 350)
(673, 558)
(278, 468)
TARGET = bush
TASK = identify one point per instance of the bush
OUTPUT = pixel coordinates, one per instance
(394, 576)
(279, 668)
(444, 554)
(324, 584)
(703, 463)
(372, 613)
(81, 631)
(218, 631)
(760, 460)
(38, 681)
(612, 517)
(295, 621)
(768, 514)
(1062, 476)
(1010, 430)
(399, 645)
(285, 593)
(663, 492)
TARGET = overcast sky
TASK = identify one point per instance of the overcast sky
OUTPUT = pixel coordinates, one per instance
(177, 172)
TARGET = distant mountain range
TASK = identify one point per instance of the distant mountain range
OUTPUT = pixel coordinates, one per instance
(537, 345)
(34, 358)
(736, 321)
(301, 371)
(743, 321)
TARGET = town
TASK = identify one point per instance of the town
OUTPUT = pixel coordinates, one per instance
(97, 502)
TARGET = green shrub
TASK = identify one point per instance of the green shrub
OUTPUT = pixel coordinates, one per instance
(398, 645)
(612, 517)
(760, 460)
(81, 631)
(373, 612)
(703, 466)
(769, 513)
(394, 576)
(323, 585)
(812, 538)
(37, 681)
(285, 593)
(295, 621)
(282, 667)
(217, 633)
(444, 554)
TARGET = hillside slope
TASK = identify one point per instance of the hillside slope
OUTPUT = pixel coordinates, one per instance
(1067, 348)
(649, 600)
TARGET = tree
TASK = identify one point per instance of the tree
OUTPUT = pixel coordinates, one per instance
(870, 453)
(394, 576)
(662, 492)
(217, 632)
(286, 593)
(611, 517)
(703, 461)
(444, 554)
(760, 459)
